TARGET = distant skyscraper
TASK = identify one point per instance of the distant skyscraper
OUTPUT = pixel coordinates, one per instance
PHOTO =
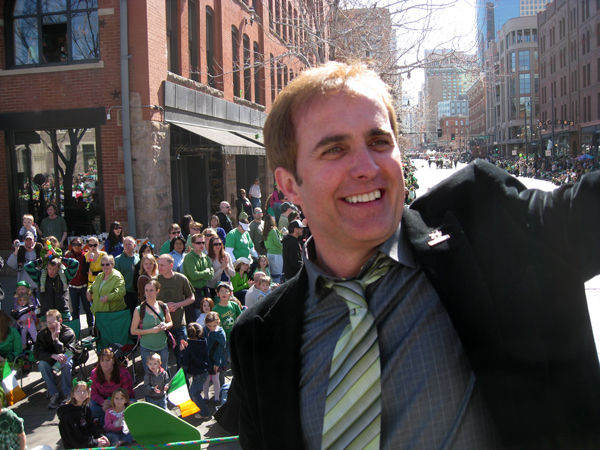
(492, 15)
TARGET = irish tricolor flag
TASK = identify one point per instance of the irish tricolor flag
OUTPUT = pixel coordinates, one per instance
(12, 392)
(179, 395)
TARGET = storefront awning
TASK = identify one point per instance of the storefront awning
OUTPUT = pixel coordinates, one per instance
(231, 144)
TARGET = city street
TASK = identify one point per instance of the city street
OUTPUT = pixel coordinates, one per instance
(41, 424)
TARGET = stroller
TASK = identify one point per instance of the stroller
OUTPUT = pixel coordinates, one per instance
(26, 360)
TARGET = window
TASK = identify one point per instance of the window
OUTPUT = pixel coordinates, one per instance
(247, 68)
(524, 63)
(525, 83)
(53, 32)
(257, 73)
(172, 37)
(193, 31)
(235, 59)
(277, 16)
(511, 62)
(210, 47)
(273, 85)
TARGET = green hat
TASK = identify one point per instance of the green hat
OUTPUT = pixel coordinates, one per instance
(24, 283)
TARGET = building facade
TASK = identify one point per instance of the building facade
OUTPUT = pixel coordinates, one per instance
(570, 77)
(477, 114)
(515, 87)
(448, 76)
(491, 16)
(153, 108)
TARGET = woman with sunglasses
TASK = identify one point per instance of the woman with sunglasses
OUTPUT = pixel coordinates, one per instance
(222, 264)
(114, 244)
(94, 258)
(79, 283)
(107, 292)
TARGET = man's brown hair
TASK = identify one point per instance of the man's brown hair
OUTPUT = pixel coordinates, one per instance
(333, 77)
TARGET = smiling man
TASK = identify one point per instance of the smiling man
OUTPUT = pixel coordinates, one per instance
(446, 325)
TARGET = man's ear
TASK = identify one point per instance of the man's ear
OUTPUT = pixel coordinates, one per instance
(287, 183)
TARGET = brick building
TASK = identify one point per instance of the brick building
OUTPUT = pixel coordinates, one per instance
(570, 76)
(173, 126)
(455, 132)
(477, 112)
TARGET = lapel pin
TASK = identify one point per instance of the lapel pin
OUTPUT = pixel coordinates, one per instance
(437, 237)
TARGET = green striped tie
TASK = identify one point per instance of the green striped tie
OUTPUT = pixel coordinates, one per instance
(353, 404)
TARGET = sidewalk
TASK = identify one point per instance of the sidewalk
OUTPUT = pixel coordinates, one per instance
(41, 423)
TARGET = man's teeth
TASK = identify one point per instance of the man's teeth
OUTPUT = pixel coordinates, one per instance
(364, 197)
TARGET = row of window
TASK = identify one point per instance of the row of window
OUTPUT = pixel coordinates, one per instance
(562, 26)
(586, 111)
(586, 78)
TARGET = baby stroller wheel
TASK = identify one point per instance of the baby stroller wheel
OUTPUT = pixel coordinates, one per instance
(27, 366)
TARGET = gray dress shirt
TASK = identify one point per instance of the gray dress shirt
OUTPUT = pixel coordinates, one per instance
(429, 395)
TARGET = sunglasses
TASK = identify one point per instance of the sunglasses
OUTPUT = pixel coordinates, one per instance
(218, 244)
(81, 392)
(105, 265)
(117, 228)
(93, 245)
(199, 242)
(175, 232)
(76, 244)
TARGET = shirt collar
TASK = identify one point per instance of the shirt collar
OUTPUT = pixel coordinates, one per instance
(395, 247)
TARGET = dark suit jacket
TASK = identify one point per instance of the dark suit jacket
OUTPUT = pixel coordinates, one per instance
(511, 278)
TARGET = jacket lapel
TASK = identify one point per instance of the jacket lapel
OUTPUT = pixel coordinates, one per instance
(455, 274)
(280, 330)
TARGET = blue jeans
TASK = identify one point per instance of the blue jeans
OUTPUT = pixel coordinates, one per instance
(97, 412)
(48, 376)
(196, 392)
(162, 402)
(115, 437)
(276, 266)
(78, 296)
(255, 202)
(178, 334)
(164, 357)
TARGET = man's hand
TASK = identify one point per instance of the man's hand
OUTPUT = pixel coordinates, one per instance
(61, 358)
(173, 306)
(104, 299)
(103, 441)
(16, 246)
(55, 335)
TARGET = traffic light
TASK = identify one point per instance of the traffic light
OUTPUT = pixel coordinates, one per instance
(452, 137)
(439, 130)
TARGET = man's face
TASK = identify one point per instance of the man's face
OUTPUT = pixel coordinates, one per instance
(349, 166)
(297, 232)
(51, 211)
(225, 208)
(52, 270)
(29, 243)
(52, 323)
(128, 246)
(164, 266)
(258, 216)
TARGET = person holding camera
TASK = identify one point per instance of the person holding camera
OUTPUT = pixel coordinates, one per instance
(24, 252)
